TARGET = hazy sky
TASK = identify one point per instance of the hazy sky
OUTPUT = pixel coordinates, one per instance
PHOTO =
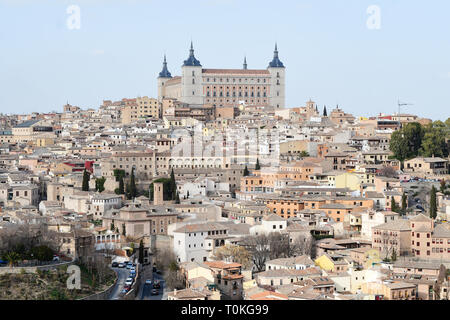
(329, 52)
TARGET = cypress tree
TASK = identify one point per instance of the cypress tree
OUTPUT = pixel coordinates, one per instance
(246, 172)
(394, 207)
(86, 178)
(325, 113)
(257, 167)
(141, 252)
(123, 230)
(173, 186)
(121, 186)
(433, 203)
(404, 204)
(132, 189)
(177, 199)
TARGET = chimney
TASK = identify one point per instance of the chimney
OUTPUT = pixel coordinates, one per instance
(158, 192)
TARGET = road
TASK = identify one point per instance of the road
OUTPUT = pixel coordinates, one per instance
(147, 289)
(122, 276)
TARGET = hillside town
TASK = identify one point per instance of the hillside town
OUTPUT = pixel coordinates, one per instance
(217, 190)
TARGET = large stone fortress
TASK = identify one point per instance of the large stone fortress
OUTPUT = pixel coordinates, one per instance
(224, 87)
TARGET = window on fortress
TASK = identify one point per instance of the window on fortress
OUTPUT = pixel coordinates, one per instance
(193, 73)
(193, 81)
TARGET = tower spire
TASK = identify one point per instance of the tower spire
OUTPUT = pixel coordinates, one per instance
(245, 63)
(276, 63)
(165, 72)
(191, 61)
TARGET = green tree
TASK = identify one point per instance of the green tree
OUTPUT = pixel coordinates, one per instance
(413, 133)
(404, 204)
(177, 200)
(433, 203)
(394, 255)
(123, 230)
(132, 189)
(13, 258)
(304, 154)
(325, 113)
(394, 206)
(399, 146)
(141, 252)
(434, 143)
(172, 186)
(100, 184)
(86, 178)
(42, 253)
(257, 167)
(246, 172)
(121, 186)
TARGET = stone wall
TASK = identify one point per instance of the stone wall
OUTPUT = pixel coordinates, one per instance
(4, 270)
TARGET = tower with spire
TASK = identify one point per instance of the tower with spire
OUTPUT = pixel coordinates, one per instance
(245, 64)
(191, 79)
(277, 74)
(163, 76)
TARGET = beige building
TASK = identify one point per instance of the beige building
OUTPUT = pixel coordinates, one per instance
(144, 107)
(392, 236)
(433, 165)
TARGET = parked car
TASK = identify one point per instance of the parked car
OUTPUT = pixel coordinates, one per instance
(121, 265)
(133, 269)
(55, 258)
(129, 265)
(148, 281)
(156, 284)
(155, 292)
(129, 281)
(115, 264)
(132, 275)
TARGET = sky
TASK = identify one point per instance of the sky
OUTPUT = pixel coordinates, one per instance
(336, 52)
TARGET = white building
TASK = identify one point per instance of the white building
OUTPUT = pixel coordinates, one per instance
(195, 242)
(372, 219)
(270, 223)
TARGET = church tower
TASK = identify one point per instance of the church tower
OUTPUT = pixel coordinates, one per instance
(164, 75)
(191, 80)
(277, 81)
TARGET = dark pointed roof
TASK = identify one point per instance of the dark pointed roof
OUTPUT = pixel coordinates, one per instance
(165, 72)
(191, 61)
(245, 63)
(276, 63)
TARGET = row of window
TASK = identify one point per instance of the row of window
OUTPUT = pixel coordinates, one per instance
(234, 94)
